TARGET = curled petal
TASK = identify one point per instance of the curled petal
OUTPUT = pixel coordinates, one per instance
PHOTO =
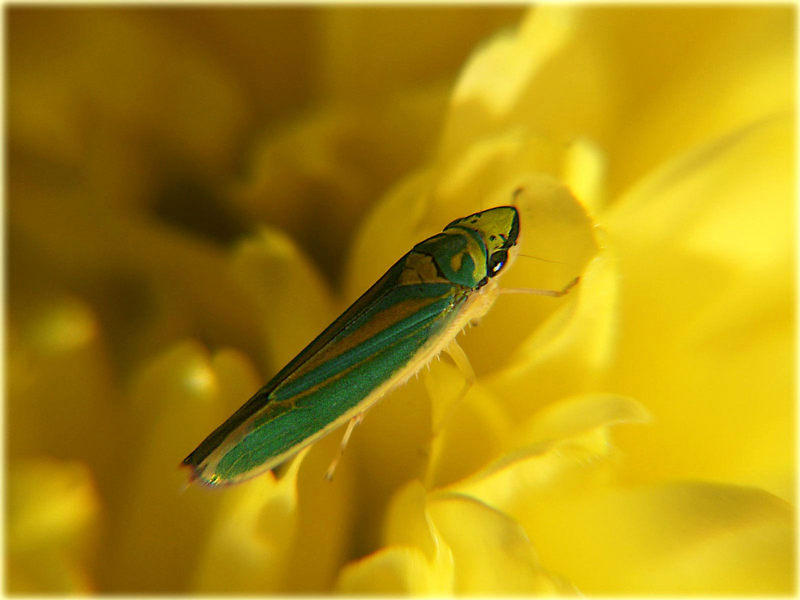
(566, 447)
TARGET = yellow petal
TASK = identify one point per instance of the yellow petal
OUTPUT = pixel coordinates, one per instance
(391, 228)
(178, 398)
(327, 519)
(130, 72)
(737, 66)
(150, 284)
(51, 524)
(469, 425)
(499, 74)
(397, 570)
(647, 103)
(573, 417)
(706, 334)
(415, 558)
(570, 351)
(564, 448)
(431, 548)
(365, 52)
(315, 179)
(489, 170)
(492, 554)
(408, 523)
(52, 337)
(678, 538)
(689, 279)
(391, 447)
(292, 299)
(249, 544)
(554, 227)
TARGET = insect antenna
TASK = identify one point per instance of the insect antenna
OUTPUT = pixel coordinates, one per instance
(547, 260)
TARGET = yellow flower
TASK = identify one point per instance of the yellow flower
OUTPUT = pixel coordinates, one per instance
(634, 436)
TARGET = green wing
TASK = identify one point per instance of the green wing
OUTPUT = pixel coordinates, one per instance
(376, 336)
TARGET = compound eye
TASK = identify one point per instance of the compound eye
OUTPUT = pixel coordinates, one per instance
(496, 262)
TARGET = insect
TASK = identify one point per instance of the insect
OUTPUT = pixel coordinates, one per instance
(396, 327)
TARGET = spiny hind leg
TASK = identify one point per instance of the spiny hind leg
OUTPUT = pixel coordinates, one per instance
(351, 425)
(459, 357)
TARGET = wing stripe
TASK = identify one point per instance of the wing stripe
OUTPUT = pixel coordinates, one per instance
(387, 331)
(374, 298)
(341, 392)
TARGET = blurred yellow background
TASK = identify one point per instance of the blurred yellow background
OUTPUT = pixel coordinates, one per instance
(194, 193)
(142, 144)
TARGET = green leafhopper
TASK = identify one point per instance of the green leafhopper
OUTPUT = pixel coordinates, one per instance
(399, 325)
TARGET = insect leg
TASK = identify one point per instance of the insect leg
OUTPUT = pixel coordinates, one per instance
(345, 438)
(456, 352)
